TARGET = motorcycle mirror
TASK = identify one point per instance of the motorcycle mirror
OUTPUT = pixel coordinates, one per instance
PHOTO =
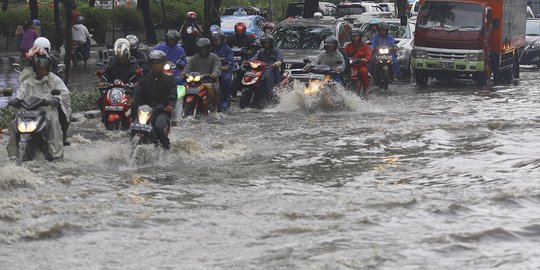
(396, 41)
(7, 92)
(368, 42)
(99, 73)
(100, 65)
(55, 92)
(61, 67)
(138, 72)
(307, 61)
(15, 65)
(339, 62)
(404, 20)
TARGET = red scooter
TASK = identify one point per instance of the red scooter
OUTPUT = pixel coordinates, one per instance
(116, 108)
(196, 101)
(253, 93)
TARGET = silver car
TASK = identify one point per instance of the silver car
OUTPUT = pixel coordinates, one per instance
(403, 34)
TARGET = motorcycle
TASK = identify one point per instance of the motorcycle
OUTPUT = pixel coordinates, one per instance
(196, 99)
(116, 109)
(77, 53)
(320, 90)
(240, 55)
(180, 89)
(383, 67)
(355, 79)
(31, 127)
(253, 92)
(142, 131)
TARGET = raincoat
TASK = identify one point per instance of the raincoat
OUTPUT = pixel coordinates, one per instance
(225, 78)
(271, 76)
(33, 87)
(175, 54)
(378, 41)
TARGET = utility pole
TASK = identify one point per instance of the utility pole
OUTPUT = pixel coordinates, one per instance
(68, 4)
(271, 10)
(164, 17)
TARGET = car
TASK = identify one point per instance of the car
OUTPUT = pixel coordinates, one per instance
(303, 38)
(254, 24)
(297, 9)
(403, 34)
(531, 52)
(415, 7)
(350, 11)
(388, 7)
(248, 9)
(367, 16)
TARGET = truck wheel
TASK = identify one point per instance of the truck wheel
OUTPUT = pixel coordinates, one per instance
(481, 79)
(421, 78)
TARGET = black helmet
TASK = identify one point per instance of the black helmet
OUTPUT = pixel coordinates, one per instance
(157, 55)
(172, 34)
(330, 41)
(384, 26)
(79, 20)
(203, 42)
(267, 38)
(41, 60)
(356, 32)
(218, 35)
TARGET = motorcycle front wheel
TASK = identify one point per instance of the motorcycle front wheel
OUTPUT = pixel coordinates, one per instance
(247, 98)
(25, 152)
(189, 109)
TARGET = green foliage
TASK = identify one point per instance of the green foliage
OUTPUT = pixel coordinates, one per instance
(175, 11)
(128, 19)
(82, 101)
(7, 115)
(11, 18)
(97, 19)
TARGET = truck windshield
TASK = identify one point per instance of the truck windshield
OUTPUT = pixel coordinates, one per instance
(351, 10)
(450, 16)
(301, 37)
(533, 28)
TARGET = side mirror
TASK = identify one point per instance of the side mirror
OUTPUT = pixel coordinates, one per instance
(369, 43)
(404, 20)
(101, 65)
(99, 73)
(495, 23)
(55, 92)
(307, 61)
(396, 41)
(61, 67)
(138, 72)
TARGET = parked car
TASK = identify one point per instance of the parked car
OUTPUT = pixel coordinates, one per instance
(254, 24)
(367, 16)
(297, 9)
(248, 9)
(403, 34)
(388, 7)
(303, 38)
(531, 51)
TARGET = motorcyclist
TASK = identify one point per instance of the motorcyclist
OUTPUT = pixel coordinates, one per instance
(175, 53)
(80, 34)
(206, 63)
(240, 38)
(332, 58)
(134, 51)
(373, 30)
(274, 58)
(360, 53)
(268, 27)
(41, 86)
(156, 89)
(45, 44)
(384, 38)
(225, 78)
(190, 33)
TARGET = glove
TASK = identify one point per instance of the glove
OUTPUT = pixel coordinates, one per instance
(53, 101)
(14, 102)
(169, 108)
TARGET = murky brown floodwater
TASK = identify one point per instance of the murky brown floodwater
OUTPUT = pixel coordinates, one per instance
(445, 179)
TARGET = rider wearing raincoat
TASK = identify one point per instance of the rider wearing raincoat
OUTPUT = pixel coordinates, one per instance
(225, 78)
(384, 38)
(274, 58)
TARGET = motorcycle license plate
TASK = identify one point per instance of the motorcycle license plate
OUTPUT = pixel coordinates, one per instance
(141, 127)
(447, 65)
(114, 108)
(250, 74)
(192, 91)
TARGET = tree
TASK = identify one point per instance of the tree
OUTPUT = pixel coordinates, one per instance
(68, 5)
(144, 7)
(33, 5)
(211, 14)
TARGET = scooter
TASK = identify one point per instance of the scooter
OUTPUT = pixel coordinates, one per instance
(320, 89)
(383, 67)
(355, 80)
(240, 55)
(142, 131)
(253, 92)
(31, 126)
(196, 99)
(77, 53)
(116, 109)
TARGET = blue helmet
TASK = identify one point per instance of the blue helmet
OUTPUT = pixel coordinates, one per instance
(374, 22)
(214, 28)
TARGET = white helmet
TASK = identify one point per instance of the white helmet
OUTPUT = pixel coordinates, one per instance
(43, 43)
(121, 48)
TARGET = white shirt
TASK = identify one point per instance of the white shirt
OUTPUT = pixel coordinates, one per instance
(79, 33)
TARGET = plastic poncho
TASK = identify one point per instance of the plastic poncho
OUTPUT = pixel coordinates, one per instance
(33, 87)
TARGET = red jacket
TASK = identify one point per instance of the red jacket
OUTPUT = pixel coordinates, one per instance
(356, 51)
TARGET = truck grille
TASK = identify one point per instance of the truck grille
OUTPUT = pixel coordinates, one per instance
(447, 56)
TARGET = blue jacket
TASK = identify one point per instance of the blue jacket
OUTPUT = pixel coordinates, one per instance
(175, 54)
(224, 51)
(268, 57)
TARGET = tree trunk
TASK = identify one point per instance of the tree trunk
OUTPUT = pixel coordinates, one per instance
(310, 7)
(211, 15)
(68, 4)
(144, 6)
(165, 24)
(33, 5)
(57, 25)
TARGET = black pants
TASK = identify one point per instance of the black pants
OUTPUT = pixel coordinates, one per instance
(161, 122)
(64, 123)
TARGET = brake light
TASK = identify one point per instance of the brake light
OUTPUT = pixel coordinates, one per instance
(253, 35)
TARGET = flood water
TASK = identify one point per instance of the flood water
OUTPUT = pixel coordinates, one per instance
(438, 179)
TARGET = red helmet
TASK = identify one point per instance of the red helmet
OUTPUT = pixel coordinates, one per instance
(192, 15)
(240, 28)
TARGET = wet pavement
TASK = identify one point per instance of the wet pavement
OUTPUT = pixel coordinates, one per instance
(438, 179)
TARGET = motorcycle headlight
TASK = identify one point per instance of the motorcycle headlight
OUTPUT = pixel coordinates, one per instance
(312, 87)
(254, 65)
(167, 67)
(420, 54)
(197, 78)
(383, 51)
(144, 116)
(535, 45)
(115, 96)
(27, 127)
(190, 79)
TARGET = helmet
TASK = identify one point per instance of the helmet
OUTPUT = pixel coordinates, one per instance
(121, 48)
(373, 22)
(218, 34)
(240, 28)
(268, 25)
(214, 28)
(157, 55)
(356, 32)
(79, 20)
(173, 34)
(43, 43)
(330, 41)
(267, 38)
(41, 60)
(36, 22)
(192, 15)
(203, 42)
(384, 26)
(133, 42)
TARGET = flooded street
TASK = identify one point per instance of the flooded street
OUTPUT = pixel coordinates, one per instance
(438, 179)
